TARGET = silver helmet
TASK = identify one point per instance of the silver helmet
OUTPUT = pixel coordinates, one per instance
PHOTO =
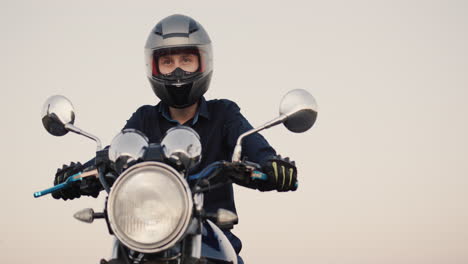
(179, 60)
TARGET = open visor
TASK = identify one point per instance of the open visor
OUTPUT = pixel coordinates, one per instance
(179, 62)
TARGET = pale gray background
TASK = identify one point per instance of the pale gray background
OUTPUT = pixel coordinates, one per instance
(383, 174)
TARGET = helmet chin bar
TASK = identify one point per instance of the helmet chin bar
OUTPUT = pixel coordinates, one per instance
(180, 95)
(183, 94)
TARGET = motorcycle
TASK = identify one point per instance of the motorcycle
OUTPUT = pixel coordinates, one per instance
(154, 205)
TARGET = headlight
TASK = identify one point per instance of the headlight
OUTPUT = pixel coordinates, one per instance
(149, 207)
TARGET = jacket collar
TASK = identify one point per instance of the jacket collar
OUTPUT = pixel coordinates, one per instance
(202, 111)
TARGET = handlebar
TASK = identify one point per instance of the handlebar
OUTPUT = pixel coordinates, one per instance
(74, 178)
(255, 174)
(250, 167)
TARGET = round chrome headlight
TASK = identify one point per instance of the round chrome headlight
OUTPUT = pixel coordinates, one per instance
(149, 207)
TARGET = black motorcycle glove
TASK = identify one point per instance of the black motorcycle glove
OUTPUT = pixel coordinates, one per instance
(90, 186)
(282, 175)
(73, 191)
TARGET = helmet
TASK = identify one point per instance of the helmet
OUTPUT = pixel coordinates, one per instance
(180, 38)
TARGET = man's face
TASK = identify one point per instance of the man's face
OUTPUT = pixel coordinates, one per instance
(186, 61)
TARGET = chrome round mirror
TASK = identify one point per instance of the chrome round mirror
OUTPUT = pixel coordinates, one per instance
(301, 110)
(129, 145)
(182, 146)
(56, 113)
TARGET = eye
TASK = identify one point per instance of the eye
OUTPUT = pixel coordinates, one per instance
(187, 59)
(165, 60)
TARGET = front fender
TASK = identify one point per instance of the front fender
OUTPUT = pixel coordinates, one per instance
(215, 245)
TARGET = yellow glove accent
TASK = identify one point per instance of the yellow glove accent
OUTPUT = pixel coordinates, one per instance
(275, 168)
(290, 176)
(284, 176)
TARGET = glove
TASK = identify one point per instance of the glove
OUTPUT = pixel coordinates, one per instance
(70, 192)
(282, 175)
(90, 186)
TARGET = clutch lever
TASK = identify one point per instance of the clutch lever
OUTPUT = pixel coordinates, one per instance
(74, 178)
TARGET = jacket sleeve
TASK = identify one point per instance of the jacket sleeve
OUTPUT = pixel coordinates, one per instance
(254, 147)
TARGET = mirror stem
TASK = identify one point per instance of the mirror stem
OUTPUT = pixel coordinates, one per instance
(236, 156)
(78, 131)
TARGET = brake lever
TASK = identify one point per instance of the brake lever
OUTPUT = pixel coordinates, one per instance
(255, 170)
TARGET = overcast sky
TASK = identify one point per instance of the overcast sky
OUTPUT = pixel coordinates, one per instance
(383, 174)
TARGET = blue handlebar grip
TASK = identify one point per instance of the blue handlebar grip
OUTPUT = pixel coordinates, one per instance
(258, 175)
(60, 186)
(262, 176)
(50, 190)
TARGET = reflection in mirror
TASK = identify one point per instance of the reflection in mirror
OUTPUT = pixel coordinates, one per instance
(129, 145)
(301, 110)
(182, 145)
(56, 113)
